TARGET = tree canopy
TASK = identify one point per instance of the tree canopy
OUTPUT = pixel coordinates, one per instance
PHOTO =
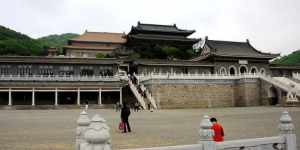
(293, 58)
(15, 43)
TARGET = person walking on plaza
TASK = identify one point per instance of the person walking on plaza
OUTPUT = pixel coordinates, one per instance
(218, 130)
(86, 105)
(118, 106)
(125, 113)
(136, 106)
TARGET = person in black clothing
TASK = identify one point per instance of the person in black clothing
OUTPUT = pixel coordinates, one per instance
(125, 112)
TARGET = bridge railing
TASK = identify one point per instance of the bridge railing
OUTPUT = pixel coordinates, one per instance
(95, 135)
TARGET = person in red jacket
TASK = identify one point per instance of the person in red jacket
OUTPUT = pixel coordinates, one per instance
(218, 130)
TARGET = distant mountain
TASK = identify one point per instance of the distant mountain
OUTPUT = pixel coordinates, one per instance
(293, 58)
(57, 41)
(15, 43)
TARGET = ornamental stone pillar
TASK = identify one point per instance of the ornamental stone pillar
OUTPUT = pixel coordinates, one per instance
(9, 97)
(97, 135)
(287, 130)
(56, 97)
(82, 124)
(33, 97)
(206, 134)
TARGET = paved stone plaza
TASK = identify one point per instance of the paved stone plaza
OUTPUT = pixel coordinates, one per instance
(55, 129)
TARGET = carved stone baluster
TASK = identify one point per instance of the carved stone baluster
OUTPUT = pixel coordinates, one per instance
(287, 130)
(97, 135)
(206, 134)
(82, 124)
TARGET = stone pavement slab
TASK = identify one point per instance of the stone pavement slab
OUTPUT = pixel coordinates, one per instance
(55, 129)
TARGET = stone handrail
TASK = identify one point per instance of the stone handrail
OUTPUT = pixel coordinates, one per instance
(137, 94)
(296, 76)
(142, 77)
(284, 86)
(97, 137)
(170, 76)
(57, 78)
(258, 143)
(148, 94)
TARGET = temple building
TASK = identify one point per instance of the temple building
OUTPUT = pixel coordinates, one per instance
(230, 57)
(222, 74)
(52, 51)
(150, 35)
(57, 81)
(89, 44)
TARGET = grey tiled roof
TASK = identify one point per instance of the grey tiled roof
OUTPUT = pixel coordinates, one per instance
(236, 49)
(160, 28)
(163, 37)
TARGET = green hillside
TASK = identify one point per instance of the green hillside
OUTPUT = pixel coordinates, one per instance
(290, 59)
(57, 41)
(15, 43)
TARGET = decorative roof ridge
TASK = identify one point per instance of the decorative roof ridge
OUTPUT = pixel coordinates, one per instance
(227, 41)
(165, 25)
(141, 34)
(247, 42)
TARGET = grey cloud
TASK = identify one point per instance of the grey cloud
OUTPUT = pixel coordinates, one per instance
(271, 25)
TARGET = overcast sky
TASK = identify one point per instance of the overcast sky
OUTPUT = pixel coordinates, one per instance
(270, 25)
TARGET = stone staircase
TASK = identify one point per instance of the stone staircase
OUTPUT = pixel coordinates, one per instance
(291, 87)
(289, 82)
(280, 84)
(149, 96)
(136, 93)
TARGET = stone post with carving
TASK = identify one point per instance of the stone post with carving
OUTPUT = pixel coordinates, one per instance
(97, 135)
(287, 130)
(82, 124)
(206, 134)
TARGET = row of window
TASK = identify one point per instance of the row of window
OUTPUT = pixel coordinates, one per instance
(232, 70)
(63, 70)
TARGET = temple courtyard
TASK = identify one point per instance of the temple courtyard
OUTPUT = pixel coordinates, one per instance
(55, 129)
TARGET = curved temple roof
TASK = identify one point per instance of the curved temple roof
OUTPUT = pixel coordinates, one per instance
(233, 49)
(102, 37)
(156, 28)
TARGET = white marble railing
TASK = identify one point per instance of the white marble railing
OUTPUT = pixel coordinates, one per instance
(147, 92)
(94, 135)
(296, 76)
(136, 93)
(267, 78)
(282, 85)
(143, 77)
(57, 78)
